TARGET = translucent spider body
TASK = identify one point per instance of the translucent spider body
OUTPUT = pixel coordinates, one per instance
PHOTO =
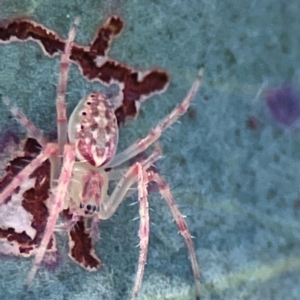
(83, 162)
(93, 129)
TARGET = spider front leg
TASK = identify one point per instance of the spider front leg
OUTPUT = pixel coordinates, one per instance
(136, 173)
(64, 173)
(181, 224)
(157, 131)
(57, 203)
(144, 229)
(61, 115)
(62, 122)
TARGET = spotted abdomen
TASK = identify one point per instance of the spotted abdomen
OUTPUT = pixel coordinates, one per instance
(94, 130)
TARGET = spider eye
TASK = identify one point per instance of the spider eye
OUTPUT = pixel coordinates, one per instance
(88, 103)
(89, 207)
(81, 205)
(84, 113)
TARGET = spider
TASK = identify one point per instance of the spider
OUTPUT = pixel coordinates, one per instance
(83, 162)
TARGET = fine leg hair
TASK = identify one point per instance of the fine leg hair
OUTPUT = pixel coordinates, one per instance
(57, 202)
(181, 224)
(144, 229)
(156, 132)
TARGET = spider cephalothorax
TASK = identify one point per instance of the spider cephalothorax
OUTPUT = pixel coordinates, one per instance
(83, 163)
(87, 187)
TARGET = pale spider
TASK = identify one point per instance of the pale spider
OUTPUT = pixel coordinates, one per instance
(83, 162)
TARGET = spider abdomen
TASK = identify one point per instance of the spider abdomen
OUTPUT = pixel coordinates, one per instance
(94, 130)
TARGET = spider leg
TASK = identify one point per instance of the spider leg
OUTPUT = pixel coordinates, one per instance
(68, 225)
(28, 125)
(62, 122)
(110, 204)
(57, 205)
(61, 119)
(144, 229)
(94, 230)
(117, 174)
(48, 151)
(156, 132)
(182, 226)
